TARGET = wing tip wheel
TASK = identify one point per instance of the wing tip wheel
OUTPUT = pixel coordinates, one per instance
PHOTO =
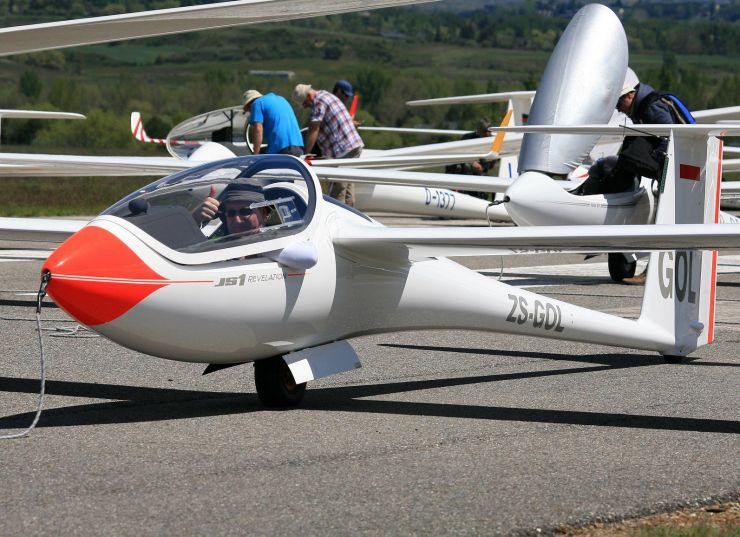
(670, 359)
(275, 384)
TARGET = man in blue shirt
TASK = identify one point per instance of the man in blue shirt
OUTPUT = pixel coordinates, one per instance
(273, 121)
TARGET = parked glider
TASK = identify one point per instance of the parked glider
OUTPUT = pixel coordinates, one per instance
(153, 276)
(287, 295)
(580, 85)
(192, 139)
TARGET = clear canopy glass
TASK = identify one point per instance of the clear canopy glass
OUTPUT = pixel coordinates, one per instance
(227, 126)
(232, 202)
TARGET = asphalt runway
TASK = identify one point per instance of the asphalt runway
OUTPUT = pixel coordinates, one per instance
(441, 432)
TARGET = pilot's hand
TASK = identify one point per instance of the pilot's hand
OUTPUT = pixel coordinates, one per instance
(210, 206)
(477, 168)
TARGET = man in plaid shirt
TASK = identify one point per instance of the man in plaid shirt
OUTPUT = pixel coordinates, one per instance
(331, 126)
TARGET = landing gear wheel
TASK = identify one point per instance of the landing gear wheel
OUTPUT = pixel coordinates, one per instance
(620, 268)
(276, 386)
(672, 359)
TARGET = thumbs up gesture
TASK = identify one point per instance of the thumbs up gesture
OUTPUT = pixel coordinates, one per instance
(209, 208)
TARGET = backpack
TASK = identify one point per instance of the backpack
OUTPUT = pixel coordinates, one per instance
(644, 156)
(680, 110)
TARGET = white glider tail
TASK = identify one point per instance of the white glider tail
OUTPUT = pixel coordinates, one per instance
(137, 129)
(680, 292)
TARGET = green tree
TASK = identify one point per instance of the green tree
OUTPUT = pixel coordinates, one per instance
(64, 93)
(101, 130)
(373, 83)
(30, 85)
(668, 74)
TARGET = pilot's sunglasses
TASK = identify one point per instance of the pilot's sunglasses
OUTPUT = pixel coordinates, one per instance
(244, 211)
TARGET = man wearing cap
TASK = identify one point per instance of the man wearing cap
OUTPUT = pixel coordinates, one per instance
(236, 207)
(343, 90)
(636, 101)
(331, 126)
(644, 156)
(642, 104)
(274, 121)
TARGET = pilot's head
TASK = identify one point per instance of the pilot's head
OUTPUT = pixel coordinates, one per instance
(237, 206)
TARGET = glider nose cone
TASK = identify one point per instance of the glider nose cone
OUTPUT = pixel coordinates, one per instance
(533, 200)
(96, 277)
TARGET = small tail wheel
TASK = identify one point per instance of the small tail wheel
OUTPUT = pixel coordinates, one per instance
(620, 268)
(276, 386)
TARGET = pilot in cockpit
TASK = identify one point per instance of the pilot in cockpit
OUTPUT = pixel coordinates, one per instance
(241, 207)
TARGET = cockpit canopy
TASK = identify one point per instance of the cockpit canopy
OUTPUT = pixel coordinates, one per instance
(281, 192)
(226, 126)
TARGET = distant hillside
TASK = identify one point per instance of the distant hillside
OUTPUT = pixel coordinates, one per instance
(462, 6)
(18, 11)
(391, 55)
(638, 9)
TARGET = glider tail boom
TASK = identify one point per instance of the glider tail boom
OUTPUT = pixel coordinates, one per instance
(681, 285)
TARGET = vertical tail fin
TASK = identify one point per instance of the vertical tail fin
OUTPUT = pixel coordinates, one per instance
(498, 140)
(507, 164)
(353, 106)
(137, 129)
(520, 104)
(680, 289)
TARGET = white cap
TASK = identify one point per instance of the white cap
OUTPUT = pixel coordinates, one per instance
(249, 96)
(301, 92)
(630, 82)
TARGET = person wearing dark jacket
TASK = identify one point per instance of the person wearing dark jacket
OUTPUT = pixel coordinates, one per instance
(642, 155)
(642, 104)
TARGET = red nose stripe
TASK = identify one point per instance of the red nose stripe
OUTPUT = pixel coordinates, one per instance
(96, 278)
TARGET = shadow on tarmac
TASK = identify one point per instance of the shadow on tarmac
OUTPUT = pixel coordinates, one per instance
(145, 404)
